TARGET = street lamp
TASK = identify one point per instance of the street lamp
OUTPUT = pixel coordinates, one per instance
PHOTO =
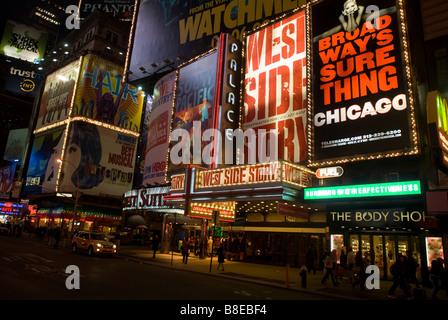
(75, 210)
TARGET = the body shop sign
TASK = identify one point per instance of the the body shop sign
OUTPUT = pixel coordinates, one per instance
(361, 98)
(388, 217)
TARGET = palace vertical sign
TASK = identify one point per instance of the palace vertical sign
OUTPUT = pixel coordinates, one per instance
(275, 85)
(361, 95)
(228, 95)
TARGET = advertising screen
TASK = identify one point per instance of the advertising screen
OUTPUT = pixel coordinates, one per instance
(157, 139)
(168, 29)
(57, 95)
(361, 98)
(194, 104)
(43, 167)
(99, 160)
(275, 86)
(102, 96)
(22, 78)
(23, 42)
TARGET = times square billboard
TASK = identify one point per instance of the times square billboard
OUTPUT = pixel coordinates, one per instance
(361, 100)
(166, 30)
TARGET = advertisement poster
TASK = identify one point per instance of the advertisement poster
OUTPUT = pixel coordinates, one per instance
(23, 42)
(57, 95)
(157, 139)
(141, 155)
(6, 179)
(361, 104)
(168, 29)
(102, 96)
(98, 160)
(195, 101)
(16, 145)
(43, 167)
(434, 249)
(275, 86)
(22, 78)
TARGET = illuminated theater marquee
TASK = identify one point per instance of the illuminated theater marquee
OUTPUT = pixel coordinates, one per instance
(255, 175)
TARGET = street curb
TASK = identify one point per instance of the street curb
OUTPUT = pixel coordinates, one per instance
(266, 283)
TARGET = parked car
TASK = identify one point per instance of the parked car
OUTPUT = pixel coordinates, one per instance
(93, 243)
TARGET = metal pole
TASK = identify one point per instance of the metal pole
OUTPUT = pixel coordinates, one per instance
(172, 237)
(215, 214)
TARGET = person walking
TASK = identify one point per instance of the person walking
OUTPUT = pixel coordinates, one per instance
(311, 256)
(398, 271)
(330, 263)
(436, 276)
(411, 268)
(342, 265)
(185, 250)
(359, 272)
(155, 245)
(221, 257)
(350, 263)
(57, 237)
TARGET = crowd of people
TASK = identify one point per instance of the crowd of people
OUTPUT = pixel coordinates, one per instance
(404, 271)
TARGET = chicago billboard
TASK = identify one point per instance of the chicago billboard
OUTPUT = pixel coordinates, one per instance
(361, 95)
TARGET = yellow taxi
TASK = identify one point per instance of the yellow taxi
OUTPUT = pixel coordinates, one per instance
(93, 243)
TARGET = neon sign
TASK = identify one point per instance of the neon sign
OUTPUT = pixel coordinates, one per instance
(364, 190)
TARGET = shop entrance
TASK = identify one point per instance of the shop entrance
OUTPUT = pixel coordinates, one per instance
(278, 248)
(383, 249)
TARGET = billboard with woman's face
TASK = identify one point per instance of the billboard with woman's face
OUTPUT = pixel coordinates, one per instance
(98, 160)
(43, 167)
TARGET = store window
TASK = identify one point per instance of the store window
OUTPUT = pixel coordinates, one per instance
(434, 249)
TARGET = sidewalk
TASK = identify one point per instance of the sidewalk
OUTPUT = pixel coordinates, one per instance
(264, 274)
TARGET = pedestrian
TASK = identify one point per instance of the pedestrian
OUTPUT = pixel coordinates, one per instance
(155, 245)
(411, 266)
(311, 256)
(342, 265)
(350, 263)
(57, 237)
(398, 271)
(185, 250)
(330, 263)
(303, 272)
(437, 277)
(221, 257)
(359, 272)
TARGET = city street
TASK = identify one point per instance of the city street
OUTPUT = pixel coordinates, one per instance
(30, 269)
